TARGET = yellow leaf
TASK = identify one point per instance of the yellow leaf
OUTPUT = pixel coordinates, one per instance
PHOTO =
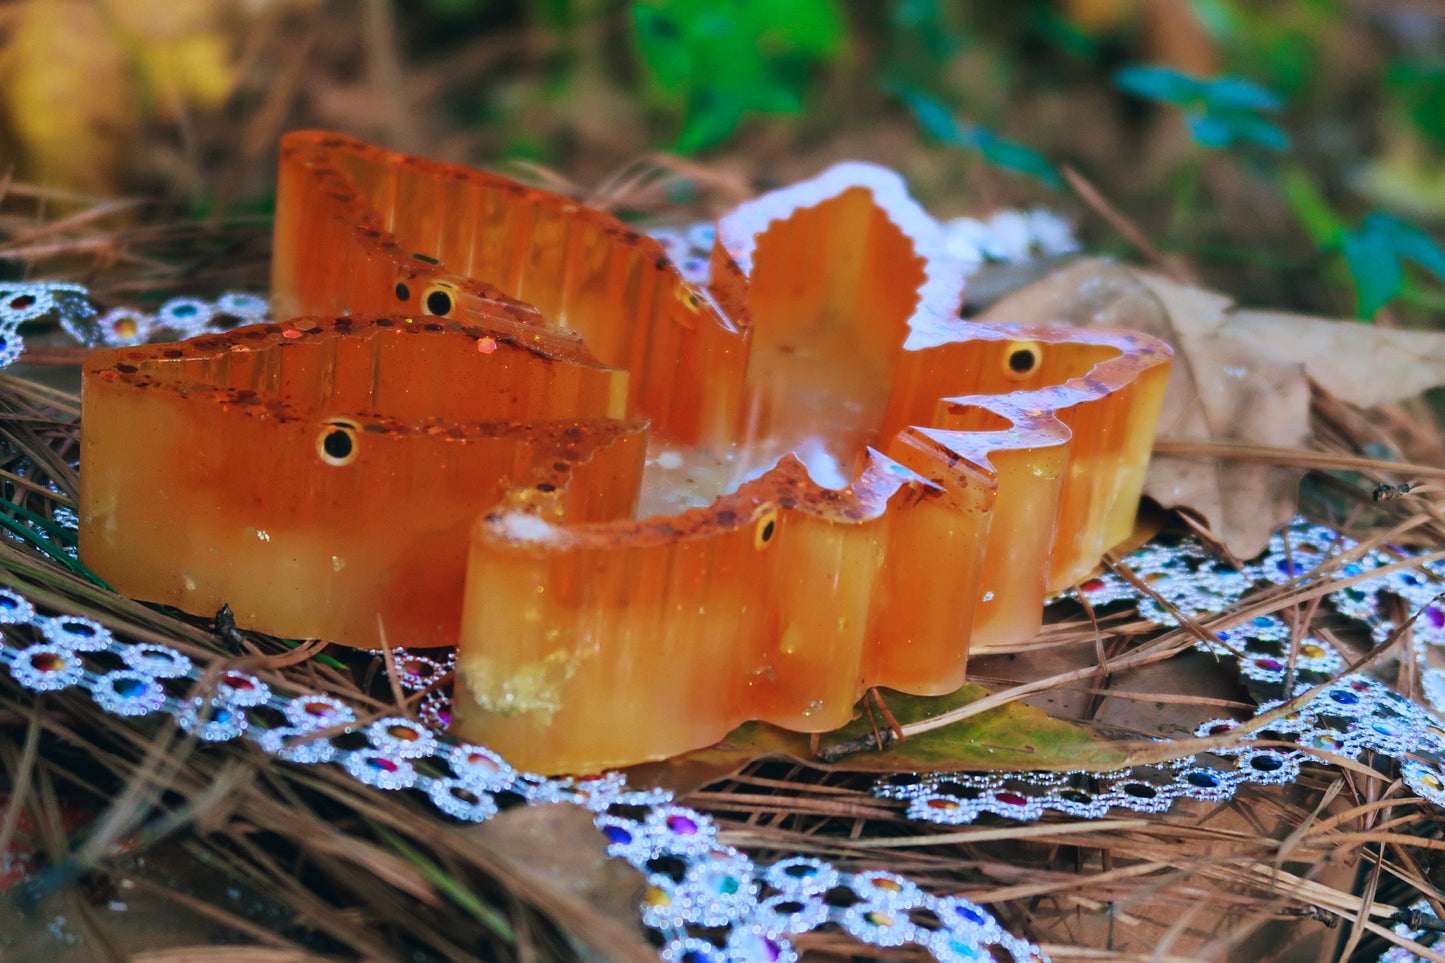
(68, 93)
(192, 70)
(160, 20)
(179, 50)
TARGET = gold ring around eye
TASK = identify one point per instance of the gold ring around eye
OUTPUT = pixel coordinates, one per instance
(764, 528)
(440, 300)
(337, 444)
(1021, 359)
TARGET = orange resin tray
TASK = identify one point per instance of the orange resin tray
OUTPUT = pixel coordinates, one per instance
(646, 511)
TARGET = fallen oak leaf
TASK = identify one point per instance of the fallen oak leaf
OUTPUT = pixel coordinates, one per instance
(1221, 389)
(1363, 363)
(556, 858)
(1227, 389)
(1240, 377)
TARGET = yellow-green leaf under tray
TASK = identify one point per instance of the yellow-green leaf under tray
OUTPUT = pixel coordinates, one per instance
(1011, 737)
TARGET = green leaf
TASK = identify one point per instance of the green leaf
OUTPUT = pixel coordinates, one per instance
(665, 53)
(713, 63)
(1375, 268)
(1257, 130)
(774, 99)
(1059, 31)
(1314, 213)
(712, 116)
(1209, 130)
(1016, 157)
(1219, 18)
(1420, 87)
(1220, 129)
(1012, 737)
(940, 124)
(810, 28)
(1408, 241)
(1237, 93)
(1159, 83)
(936, 120)
(926, 25)
(1219, 112)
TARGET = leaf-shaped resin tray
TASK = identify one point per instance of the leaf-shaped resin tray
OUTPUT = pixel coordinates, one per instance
(647, 511)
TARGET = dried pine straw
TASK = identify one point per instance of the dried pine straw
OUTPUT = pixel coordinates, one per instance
(330, 869)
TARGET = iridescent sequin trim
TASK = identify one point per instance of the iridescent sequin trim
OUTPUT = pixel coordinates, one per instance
(1349, 716)
(71, 307)
(708, 900)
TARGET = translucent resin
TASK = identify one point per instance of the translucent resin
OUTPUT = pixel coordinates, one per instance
(321, 476)
(647, 511)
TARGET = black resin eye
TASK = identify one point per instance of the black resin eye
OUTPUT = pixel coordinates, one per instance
(337, 442)
(765, 528)
(1021, 358)
(439, 300)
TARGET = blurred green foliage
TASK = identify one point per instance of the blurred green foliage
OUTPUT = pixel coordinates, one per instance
(1375, 252)
(1327, 121)
(939, 123)
(1226, 111)
(1279, 44)
(453, 9)
(714, 62)
(1419, 86)
(1220, 113)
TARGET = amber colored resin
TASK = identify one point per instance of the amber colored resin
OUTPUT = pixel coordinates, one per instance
(975, 469)
(321, 476)
(647, 511)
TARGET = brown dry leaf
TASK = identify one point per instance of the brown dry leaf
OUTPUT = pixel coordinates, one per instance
(1225, 389)
(1239, 377)
(1362, 363)
(1221, 389)
(556, 857)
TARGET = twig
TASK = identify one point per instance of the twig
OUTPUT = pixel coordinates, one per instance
(1131, 232)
